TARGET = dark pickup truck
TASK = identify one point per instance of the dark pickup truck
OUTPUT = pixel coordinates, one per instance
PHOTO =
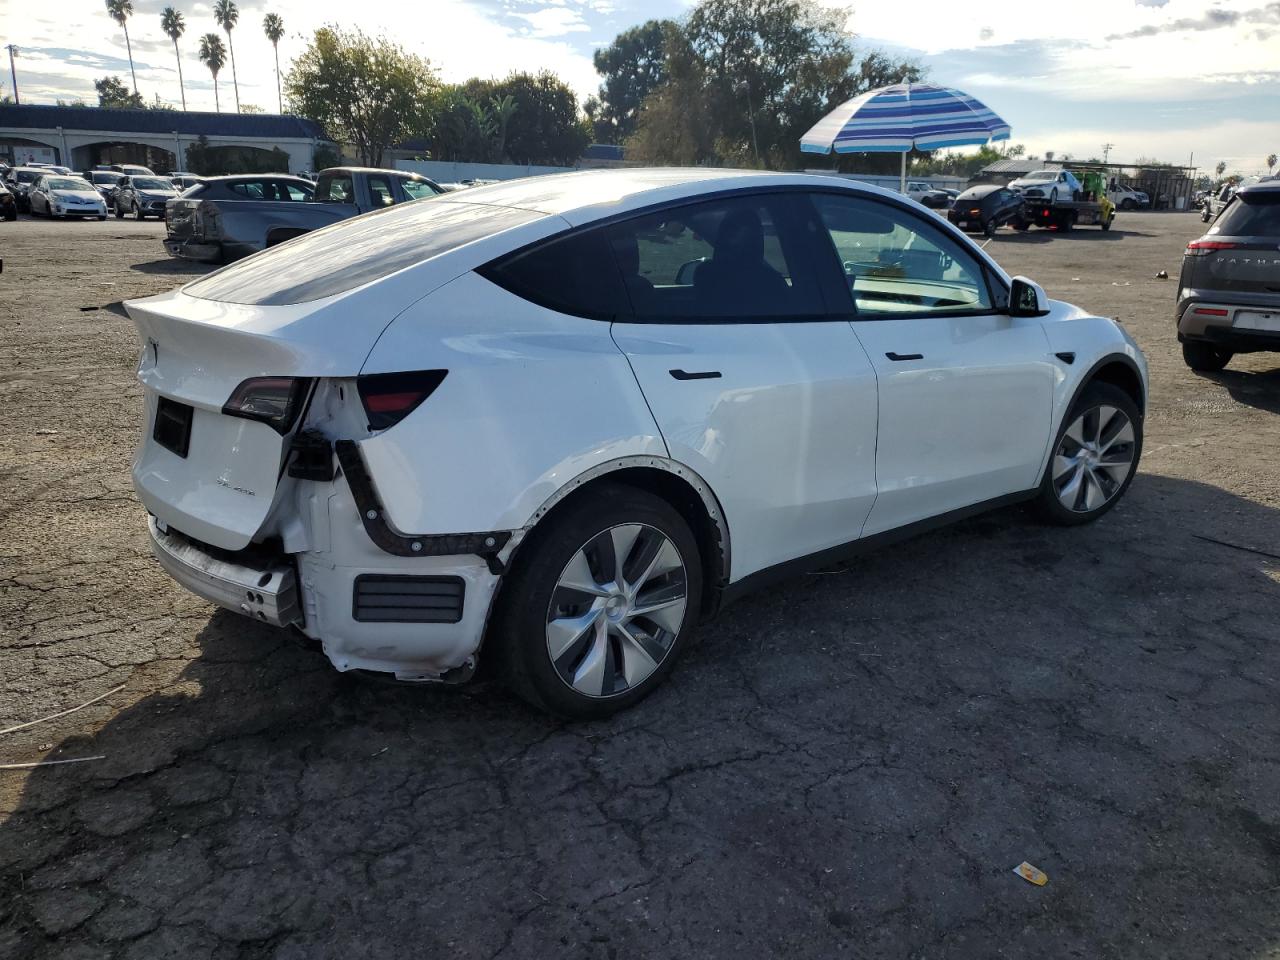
(226, 218)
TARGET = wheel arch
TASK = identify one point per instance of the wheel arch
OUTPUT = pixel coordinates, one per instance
(1118, 370)
(681, 487)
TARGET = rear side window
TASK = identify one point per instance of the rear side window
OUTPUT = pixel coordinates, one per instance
(249, 189)
(380, 192)
(1251, 215)
(355, 252)
(724, 260)
(336, 189)
(575, 274)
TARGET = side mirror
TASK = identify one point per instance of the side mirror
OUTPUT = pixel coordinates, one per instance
(1027, 299)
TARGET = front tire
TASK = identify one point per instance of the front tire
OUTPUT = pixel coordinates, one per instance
(600, 603)
(1053, 196)
(138, 214)
(119, 212)
(1128, 203)
(1095, 457)
(1205, 357)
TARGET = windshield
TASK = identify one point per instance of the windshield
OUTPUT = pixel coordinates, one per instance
(418, 189)
(1042, 175)
(1251, 215)
(27, 176)
(151, 183)
(101, 177)
(66, 183)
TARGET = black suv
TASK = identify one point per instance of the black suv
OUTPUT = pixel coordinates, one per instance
(1229, 290)
(986, 207)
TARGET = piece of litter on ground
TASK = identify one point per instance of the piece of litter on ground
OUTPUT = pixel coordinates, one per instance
(1075, 278)
(89, 309)
(47, 763)
(379, 753)
(63, 713)
(45, 746)
(45, 432)
(1162, 275)
(1030, 874)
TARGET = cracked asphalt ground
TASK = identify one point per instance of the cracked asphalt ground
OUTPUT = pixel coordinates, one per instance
(850, 764)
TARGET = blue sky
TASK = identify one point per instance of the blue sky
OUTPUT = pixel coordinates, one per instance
(1163, 78)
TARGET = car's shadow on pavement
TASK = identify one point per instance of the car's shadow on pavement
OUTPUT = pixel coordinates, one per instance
(174, 266)
(1260, 390)
(852, 763)
(1043, 235)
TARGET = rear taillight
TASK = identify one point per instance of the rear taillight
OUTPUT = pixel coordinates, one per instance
(275, 401)
(975, 213)
(1210, 311)
(1203, 248)
(390, 397)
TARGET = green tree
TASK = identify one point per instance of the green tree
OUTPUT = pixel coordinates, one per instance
(501, 110)
(746, 72)
(120, 11)
(214, 56)
(1221, 168)
(544, 126)
(633, 66)
(366, 92)
(173, 24)
(113, 93)
(273, 27)
(226, 14)
(1271, 162)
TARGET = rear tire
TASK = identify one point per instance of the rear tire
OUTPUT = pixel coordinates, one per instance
(119, 212)
(588, 653)
(989, 228)
(1205, 357)
(138, 215)
(1095, 456)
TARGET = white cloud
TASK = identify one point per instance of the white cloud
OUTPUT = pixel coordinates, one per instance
(553, 22)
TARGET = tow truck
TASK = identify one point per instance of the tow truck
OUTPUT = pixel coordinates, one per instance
(1091, 209)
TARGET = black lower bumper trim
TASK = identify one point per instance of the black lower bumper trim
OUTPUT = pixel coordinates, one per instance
(487, 546)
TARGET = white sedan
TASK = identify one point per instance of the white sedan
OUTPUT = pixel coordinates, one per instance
(559, 421)
(53, 195)
(1051, 185)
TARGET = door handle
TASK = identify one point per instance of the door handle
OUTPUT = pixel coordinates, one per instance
(904, 356)
(695, 375)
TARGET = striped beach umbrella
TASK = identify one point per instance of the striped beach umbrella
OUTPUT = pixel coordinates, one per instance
(897, 118)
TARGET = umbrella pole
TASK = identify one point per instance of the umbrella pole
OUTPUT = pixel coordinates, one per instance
(902, 180)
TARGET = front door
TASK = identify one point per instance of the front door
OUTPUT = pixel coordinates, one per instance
(965, 391)
(752, 384)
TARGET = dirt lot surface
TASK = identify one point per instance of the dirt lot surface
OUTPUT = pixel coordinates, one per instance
(850, 764)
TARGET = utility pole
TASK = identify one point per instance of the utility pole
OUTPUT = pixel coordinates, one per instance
(1106, 151)
(13, 73)
(751, 115)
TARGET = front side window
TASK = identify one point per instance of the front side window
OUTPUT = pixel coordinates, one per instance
(418, 189)
(897, 264)
(290, 192)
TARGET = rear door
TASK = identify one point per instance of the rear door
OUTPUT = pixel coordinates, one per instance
(965, 391)
(751, 382)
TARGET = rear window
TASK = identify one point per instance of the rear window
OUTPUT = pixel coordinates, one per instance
(354, 252)
(1251, 215)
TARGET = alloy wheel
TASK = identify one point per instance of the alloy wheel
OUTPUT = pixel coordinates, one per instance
(616, 610)
(1094, 458)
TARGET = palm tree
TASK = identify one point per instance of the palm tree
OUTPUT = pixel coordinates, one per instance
(214, 56)
(1221, 168)
(1271, 162)
(227, 14)
(120, 11)
(273, 26)
(171, 22)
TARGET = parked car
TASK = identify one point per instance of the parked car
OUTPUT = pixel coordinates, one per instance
(985, 208)
(1229, 289)
(578, 413)
(53, 195)
(1051, 185)
(8, 203)
(1215, 203)
(142, 197)
(20, 180)
(1127, 198)
(929, 195)
(227, 218)
(131, 169)
(183, 181)
(106, 182)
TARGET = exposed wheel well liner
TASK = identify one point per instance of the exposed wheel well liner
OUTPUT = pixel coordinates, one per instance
(679, 486)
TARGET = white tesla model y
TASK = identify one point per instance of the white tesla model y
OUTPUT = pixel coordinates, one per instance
(558, 421)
